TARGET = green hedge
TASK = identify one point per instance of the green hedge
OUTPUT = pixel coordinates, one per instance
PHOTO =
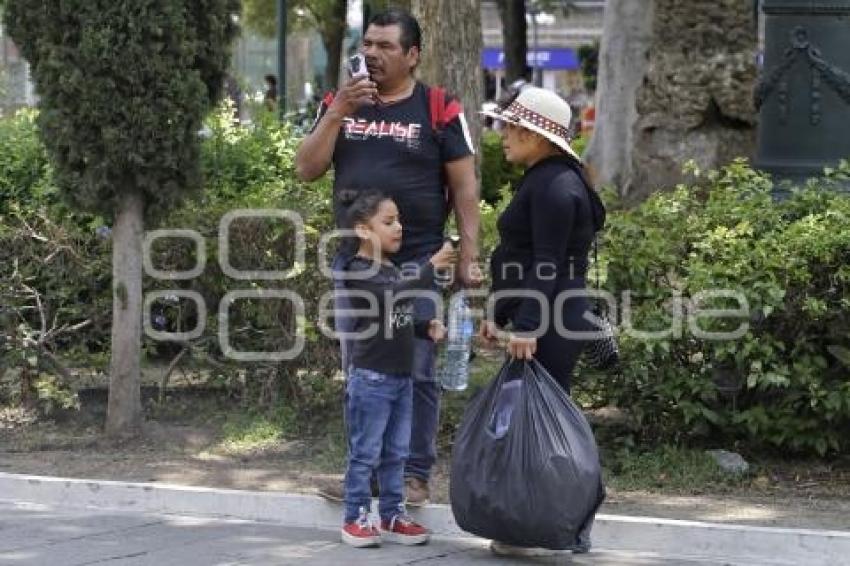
(69, 263)
(24, 167)
(783, 382)
(497, 173)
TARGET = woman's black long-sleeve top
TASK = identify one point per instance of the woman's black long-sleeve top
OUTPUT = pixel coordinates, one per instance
(546, 233)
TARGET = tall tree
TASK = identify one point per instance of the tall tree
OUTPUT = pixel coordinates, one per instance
(623, 59)
(374, 6)
(330, 19)
(695, 101)
(124, 86)
(690, 98)
(327, 17)
(453, 59)
(514, 38)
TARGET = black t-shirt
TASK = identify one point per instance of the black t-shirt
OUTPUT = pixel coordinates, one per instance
(392, 148)
(390, 349)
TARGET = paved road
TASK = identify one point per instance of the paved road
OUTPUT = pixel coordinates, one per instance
(38, 535)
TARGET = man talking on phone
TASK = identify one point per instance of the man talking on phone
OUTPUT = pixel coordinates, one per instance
(390, 132)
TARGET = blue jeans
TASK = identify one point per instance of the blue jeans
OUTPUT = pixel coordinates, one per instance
(378, 414)
(426, 391)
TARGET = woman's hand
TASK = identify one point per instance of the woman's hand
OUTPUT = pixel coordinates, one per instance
(436, 330)
(521, 348)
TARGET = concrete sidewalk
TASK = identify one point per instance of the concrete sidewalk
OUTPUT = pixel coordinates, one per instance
(43, 535)
(634, 536)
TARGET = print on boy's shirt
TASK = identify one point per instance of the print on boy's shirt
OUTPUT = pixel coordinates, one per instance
(400, 317)
(359, 130)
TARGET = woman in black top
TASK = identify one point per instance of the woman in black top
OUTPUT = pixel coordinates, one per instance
(546, 233)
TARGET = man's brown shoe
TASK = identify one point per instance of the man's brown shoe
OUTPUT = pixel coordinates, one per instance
(331, 489)
(334, 489)
(418, 493)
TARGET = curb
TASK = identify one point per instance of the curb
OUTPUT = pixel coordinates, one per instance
(730, 544)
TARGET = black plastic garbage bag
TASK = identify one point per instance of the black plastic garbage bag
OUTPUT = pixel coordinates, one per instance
(525, 466)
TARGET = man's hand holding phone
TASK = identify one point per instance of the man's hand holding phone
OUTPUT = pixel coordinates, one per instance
(358, 91)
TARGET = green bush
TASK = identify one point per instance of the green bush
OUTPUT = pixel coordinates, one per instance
(54, 276)
(782, 382)
(579, 144)
(252, 168)
(496, 172)
(23, 161)
(61, 255)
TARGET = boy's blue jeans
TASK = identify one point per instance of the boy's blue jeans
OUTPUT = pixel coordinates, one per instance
(426, 390)
(378, 412)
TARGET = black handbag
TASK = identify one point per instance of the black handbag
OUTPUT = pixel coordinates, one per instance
(602, 352)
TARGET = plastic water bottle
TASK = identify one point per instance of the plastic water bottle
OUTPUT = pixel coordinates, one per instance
(454, 367)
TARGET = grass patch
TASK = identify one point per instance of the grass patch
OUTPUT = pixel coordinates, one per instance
(668, 469)
(248, 431)
(328, 452)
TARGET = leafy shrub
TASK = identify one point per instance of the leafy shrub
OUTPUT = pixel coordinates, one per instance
(252, 168)
(54, 276)
(496, 172)
(579, 144)
(24, 168)
(778, 383)
(65, 257)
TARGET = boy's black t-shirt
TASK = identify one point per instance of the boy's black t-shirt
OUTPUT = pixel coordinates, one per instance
(390, 349)
(392, 148)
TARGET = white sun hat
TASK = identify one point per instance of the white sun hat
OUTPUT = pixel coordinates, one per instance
(541, 111)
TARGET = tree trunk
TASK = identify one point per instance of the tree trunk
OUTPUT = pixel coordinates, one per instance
(514, 38)
(333, 34)
(695, 101)
(623, 59)
(452, 59)
(124, 411)
(372, 7)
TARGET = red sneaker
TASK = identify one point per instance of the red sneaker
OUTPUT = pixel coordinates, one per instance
(361, 533)
(404, 530)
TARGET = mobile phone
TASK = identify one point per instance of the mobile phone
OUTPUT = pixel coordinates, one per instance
(357, 66)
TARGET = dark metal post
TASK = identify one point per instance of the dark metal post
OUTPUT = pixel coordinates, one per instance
(281, 58)
(803, 96)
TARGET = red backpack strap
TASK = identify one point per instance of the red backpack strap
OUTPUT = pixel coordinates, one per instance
(436, 107)
(328, 99)
(451, 111)
(441, 112)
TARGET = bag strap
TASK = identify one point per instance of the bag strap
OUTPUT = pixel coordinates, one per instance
(441, 112)
(437, 107)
